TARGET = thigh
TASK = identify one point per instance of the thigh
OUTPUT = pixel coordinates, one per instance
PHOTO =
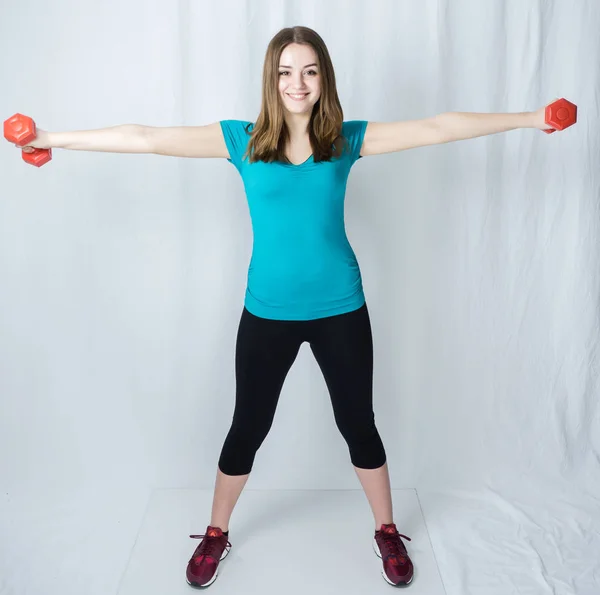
(265, 352)
(343, 348)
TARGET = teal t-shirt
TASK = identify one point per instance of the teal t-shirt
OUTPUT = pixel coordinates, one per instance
(302, 265)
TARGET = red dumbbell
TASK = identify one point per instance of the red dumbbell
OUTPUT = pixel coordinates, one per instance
(561, 114)
(20, 129)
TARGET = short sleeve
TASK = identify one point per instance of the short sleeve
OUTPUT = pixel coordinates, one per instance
(236, 139)
(354, 132)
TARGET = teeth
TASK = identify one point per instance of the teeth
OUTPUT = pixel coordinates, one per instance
(298, 96)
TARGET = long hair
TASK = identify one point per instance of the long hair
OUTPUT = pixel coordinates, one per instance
(270, 134)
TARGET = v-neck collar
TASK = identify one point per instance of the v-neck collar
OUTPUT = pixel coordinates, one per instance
(308, 160)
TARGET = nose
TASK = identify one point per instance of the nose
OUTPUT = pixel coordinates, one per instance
(297, 82)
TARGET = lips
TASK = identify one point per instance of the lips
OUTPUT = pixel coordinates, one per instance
(300, 98)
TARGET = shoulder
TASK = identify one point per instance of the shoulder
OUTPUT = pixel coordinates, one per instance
(354, 127)
(353, 133)
(236, 134)
(237, 126)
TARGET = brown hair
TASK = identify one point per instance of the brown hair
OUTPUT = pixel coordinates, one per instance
(270, 134)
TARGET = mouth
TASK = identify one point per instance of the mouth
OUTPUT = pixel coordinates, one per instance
(298, 96)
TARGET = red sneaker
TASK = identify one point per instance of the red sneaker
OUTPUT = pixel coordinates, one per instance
(202, 568)
(397, 566)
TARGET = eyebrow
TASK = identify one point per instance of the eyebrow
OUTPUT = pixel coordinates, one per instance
(284, 66)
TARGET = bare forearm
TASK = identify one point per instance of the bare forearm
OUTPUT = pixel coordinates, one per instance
(463, 125)
(125, 138)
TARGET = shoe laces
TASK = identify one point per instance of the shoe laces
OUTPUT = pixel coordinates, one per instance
(393, 544)
(209, 547)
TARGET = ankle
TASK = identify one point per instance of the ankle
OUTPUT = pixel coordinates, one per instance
(378, 528)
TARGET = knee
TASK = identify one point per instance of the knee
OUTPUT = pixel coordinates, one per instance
(357, 430)
(240, 448)
(365, 445)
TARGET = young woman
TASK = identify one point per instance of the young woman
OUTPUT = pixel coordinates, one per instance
(304, 283)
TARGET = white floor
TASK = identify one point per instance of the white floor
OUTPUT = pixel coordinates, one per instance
(58, 541)
(539, 539)
(301, 541)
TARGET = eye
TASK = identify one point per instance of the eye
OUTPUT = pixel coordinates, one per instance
(313, 72)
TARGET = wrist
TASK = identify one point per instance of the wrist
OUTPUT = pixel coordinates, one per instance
(52, 140)
(59, 140)
(530, 120)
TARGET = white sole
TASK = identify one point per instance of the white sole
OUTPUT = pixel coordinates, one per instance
(383, 574)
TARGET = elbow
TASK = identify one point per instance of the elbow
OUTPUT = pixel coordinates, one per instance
(140, 137)
(442, 127)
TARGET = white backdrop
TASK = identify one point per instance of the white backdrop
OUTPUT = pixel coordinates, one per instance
(122, 276)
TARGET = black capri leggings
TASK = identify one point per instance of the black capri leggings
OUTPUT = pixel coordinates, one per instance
(265, 351)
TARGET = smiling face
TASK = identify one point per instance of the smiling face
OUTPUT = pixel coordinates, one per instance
(299, 78)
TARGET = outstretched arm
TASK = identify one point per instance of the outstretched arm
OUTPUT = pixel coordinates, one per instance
(175, 141)
(388, 137)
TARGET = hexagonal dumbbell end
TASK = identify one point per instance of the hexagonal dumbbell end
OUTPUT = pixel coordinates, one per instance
(37, 157)
(560, 114)
(20, 130)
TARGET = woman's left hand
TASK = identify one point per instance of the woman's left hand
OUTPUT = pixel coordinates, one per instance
(539, 118)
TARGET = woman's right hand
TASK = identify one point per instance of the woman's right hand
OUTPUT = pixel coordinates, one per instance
(41, 141)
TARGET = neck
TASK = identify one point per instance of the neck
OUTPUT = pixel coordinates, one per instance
(297, 125)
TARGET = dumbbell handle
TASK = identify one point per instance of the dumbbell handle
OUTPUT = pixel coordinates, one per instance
(21, 130)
